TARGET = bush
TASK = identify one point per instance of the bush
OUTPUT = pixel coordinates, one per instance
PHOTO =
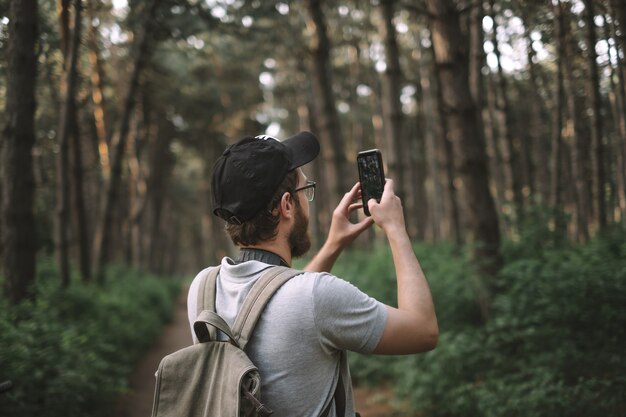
(553, 345)
(70, 352)
(373, 272)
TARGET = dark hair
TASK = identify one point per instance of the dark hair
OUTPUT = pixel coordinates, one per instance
(262, 227)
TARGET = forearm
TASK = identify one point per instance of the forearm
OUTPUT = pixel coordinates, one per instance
(413, 290)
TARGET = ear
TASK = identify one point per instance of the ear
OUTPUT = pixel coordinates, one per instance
(286, 206)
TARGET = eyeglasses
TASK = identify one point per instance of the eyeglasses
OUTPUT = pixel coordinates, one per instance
(309, 190)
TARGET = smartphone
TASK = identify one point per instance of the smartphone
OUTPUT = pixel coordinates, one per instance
(371, 176)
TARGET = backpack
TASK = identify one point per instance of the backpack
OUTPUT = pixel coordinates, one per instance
(216, 378)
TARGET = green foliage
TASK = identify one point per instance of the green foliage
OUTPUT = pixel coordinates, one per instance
(70, 352)
(448, 274)
(553, 345)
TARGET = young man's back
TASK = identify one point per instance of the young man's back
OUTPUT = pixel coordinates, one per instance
(302, 334)
(261, 192)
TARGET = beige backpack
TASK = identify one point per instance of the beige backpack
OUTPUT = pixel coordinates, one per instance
(216, 378)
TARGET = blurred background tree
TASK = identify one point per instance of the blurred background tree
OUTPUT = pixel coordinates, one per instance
(483, 109)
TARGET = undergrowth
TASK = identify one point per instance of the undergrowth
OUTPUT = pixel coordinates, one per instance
(553, 344)
(70, 351)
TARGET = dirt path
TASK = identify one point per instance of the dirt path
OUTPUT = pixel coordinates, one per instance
(176, 335)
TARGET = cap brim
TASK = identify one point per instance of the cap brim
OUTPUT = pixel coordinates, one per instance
(304, 147)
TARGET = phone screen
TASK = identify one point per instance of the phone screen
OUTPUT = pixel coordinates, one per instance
(371, 176)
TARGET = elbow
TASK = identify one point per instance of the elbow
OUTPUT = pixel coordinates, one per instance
(432, 337)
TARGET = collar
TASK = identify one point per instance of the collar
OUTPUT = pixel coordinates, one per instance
(261, 255)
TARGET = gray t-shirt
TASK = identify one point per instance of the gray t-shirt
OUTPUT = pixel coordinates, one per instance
(299, 342)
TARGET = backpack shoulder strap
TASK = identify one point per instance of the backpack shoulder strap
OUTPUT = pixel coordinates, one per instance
(206, 296)
(256, 300)
(206, 291)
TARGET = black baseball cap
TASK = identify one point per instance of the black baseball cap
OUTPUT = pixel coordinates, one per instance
(249, 172)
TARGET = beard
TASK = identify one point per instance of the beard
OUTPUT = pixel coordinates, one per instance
(299, 238)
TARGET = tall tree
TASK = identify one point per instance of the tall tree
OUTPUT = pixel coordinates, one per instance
(97, 91)
(328, 119)
(446, 158)
(511, 143)
(580, 140)
(68, 127)
(556, 198)
(18, 188)
(597, 129)
(104, 232)
(618, 99)
(452, 64)
(539, 144)
(393, 118)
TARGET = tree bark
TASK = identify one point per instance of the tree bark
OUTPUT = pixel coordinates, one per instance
(511, 143)
(104, 234)
(330, 129)
(617, 9)
(446, 156)
(97, 93)
(477, 54)
(621, 99)
(161, 163)
(597, 131)
(618, 100)
(63, 12)
(539, 145)
(580, 143)
(557, 127)
(63, 186)
(463, 128)
(18, 188)
(84, 246)
(393, 118)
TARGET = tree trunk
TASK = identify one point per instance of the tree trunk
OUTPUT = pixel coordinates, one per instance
(97, 94)
(63, 12)
(617, 9)
(539, 145)
(330, 129)
(494, 154)
(511, 144)
(160, 167)
(67, 125)
(18, 188)
(580, 143)
(597, 131)
(621, 99)
(436, 204)
(464, 131)
(446, 155)
(618, 101)
(418, 199)
(393, 118)
(104, 234)
(477, 54)
(137, 188)
(216, 241)
(84, 246)
(557, 127)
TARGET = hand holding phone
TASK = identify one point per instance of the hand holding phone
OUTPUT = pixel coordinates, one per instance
(371, 176)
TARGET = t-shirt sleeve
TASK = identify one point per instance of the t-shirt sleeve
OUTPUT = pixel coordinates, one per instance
(346, 317)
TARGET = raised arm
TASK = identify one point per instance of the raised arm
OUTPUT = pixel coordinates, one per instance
(342, 232)
(412, 327)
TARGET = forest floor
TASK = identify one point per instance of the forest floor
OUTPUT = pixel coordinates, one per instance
(370, 402)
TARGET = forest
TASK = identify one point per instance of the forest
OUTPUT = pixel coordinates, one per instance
(502, 123)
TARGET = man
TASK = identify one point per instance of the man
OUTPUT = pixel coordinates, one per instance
(300, 340)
